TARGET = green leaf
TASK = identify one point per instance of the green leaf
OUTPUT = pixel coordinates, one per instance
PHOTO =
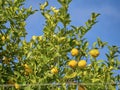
(94, 45)
(42, 6)
(100, 61)
(73, 75)
(28, 88)
(28, 55)
(95, 80)
(17, 74)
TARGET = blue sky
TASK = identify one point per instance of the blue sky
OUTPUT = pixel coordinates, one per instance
(107, 27)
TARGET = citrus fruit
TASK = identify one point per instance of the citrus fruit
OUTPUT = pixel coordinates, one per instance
(26, 66)
(16, 86)
(72, 63)
(82, 63)
(3, 38)
(74, 52)
(54, 70)
(94, 52)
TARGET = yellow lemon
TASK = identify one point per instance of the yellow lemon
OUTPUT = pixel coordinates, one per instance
(26, 66)
(72, 63)
(74, 52)
(82, 63)
(94, 52)
(3, 38)
(16, 86)
(54, 70)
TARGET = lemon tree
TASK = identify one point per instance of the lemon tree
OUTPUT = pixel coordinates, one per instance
(59, 59)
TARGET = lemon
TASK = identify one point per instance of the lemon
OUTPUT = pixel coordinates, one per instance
(74, 52)
(94, 52)
(72, 63)
(54, 70)
(82, 63)
(3, 38)
(16, 86)
(26, 66)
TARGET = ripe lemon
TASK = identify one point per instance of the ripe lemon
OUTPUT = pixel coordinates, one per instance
(82, 63)
(74, 52)
(26, 66)
(16, 86)
(94, 52)
(72, 63)
(3, 38)
(54, 70)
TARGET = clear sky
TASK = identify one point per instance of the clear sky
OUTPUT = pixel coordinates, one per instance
(107, 27)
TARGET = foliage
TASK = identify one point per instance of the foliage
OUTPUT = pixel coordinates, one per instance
(46, 58)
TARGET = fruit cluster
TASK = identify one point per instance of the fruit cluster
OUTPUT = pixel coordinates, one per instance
(82, 63)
